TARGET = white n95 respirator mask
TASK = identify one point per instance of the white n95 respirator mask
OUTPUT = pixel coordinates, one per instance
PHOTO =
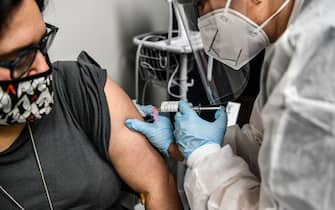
(232, 38)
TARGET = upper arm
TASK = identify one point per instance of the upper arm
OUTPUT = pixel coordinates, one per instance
(136, 161)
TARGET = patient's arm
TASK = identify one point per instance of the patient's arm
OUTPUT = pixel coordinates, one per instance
(139, 165)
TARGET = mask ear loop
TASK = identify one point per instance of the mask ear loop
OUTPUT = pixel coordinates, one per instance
(227, 6)
(281, 8)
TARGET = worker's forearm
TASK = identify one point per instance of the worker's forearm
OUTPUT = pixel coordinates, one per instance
(163, 197)
(244, 143)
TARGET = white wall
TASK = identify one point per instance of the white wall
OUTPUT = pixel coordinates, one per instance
(105, 28)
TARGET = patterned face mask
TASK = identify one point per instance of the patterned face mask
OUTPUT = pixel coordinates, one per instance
(27, 99)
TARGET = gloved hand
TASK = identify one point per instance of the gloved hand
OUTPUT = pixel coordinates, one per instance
(159, 133)
(146, 109)
(192, 132)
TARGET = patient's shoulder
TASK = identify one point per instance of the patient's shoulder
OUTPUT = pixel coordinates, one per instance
(120, 105)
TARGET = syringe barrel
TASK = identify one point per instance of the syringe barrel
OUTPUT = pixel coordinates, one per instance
(170, 106)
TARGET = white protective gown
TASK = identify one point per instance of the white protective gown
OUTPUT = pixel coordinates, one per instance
(295, 111)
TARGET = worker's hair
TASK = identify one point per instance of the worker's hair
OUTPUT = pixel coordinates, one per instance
(8, 7)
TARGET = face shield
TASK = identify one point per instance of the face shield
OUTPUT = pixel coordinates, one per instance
(230, 40)
(220, 81)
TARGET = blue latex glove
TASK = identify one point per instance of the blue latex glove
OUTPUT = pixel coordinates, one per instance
(146, 109)
(192, 132)
(159, 133)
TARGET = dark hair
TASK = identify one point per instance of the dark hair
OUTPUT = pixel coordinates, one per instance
(7, 7)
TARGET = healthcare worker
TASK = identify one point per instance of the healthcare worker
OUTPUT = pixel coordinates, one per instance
(63, 143)
(293, 118)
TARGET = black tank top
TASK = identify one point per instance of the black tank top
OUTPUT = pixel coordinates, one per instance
(72, 143)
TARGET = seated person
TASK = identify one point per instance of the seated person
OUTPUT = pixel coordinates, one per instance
(63, 143)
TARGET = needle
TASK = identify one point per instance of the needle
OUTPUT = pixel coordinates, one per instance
(204, 108)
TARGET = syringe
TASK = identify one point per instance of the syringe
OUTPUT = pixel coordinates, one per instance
(206, 108)
(172, 106)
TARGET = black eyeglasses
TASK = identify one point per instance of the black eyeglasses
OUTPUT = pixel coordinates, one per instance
(25, 58)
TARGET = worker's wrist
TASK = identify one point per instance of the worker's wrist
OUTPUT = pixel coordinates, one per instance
(175, 153)
(201, 153)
